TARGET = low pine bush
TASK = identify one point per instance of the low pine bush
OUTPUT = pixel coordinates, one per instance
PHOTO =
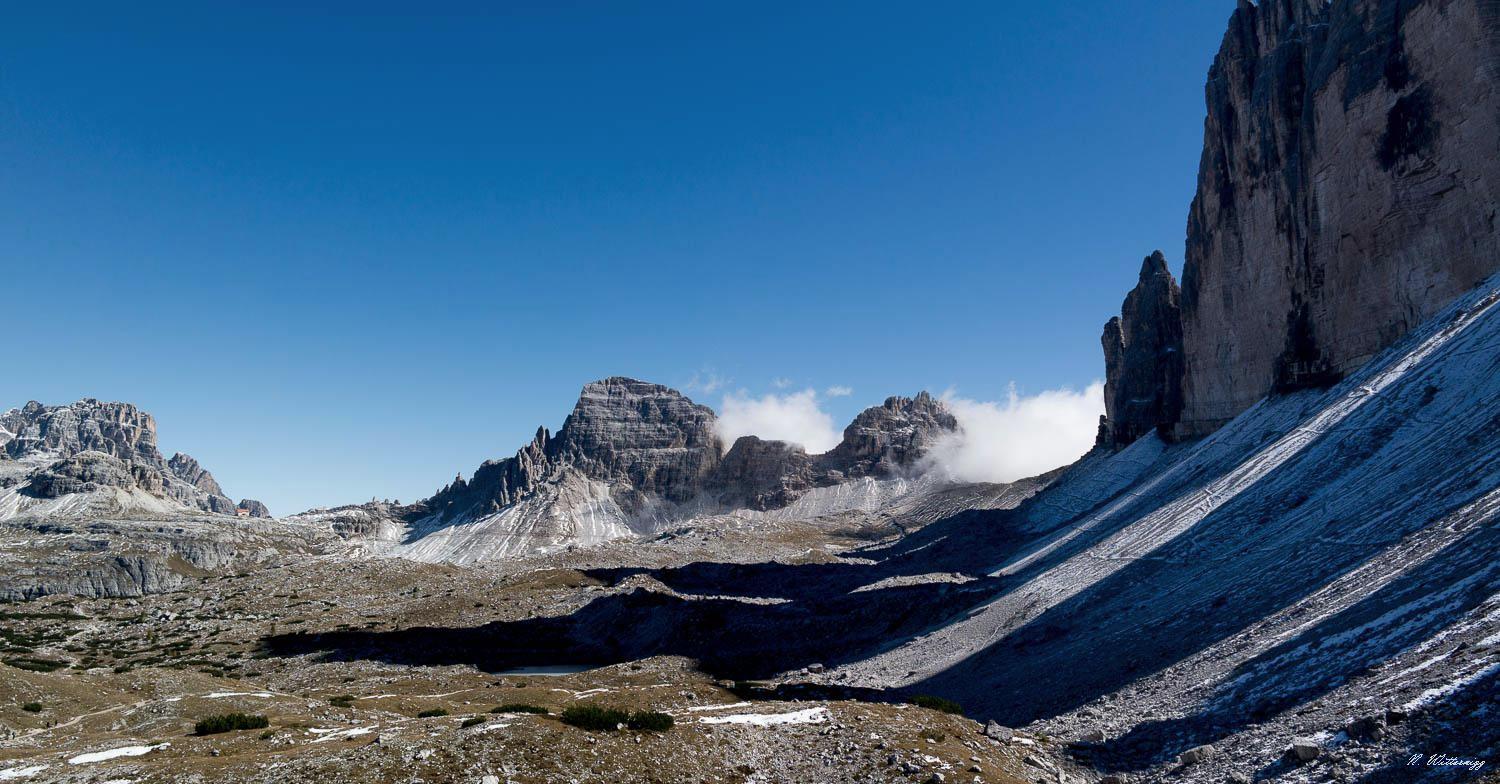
(519, 707)
(650, 721)
(594, 717)
(32, 707)
(937, 704)
(471, 721)
(230, 722)
(433, 713)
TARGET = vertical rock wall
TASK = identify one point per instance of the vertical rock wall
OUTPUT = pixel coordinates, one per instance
(1347, 191)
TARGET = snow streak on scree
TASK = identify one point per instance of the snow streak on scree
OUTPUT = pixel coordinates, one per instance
(1317, 535)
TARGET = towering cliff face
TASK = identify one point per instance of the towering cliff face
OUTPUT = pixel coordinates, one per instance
(47, 452)
(1347, 191)
(1143, 357)
(648, 435)
(117, 429)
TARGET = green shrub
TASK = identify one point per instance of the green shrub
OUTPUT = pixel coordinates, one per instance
(230, 722)
(432, 713)
(937, 704)
(32, 707)
(341, 701)
(471, 721)
(519, 707)
(36, 665)
(650, 721)
(594, 717)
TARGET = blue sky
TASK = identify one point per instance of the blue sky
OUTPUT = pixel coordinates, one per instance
(346, 255)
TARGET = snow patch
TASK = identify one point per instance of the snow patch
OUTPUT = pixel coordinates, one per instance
(718, 707)
(328, 734)
(123, 751)
(809, 716)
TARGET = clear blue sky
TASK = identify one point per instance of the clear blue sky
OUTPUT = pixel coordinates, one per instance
(348, 254)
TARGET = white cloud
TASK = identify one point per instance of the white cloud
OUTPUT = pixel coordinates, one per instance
(1019, 437)
(706, 382)
(793, 417)
(838, 391)
(781, 383)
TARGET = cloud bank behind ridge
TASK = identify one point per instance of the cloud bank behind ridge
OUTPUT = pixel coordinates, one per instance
(1018, 437)
(997, 441)
(795, 417)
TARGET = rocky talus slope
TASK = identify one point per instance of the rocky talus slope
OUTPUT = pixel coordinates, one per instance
(1347, 191)
(1327, 556)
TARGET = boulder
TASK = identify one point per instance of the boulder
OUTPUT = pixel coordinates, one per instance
(1304, 749)
(998, 732)
(1366, 728)
(1196, 754)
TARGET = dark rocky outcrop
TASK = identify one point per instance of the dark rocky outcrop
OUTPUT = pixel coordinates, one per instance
(87, 471)
(1143, 358)
(1347, 191)
(760, 474)
(253, 508)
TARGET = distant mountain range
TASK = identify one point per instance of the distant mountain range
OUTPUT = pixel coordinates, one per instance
(95, 458)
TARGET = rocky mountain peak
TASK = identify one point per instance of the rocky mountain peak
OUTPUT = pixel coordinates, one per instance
(188, 470)
(649, 435)
(1143, 358)
(117, 429)
(890, 436)
(93, 444)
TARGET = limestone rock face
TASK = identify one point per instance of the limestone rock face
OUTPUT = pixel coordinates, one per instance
(90, 445)
(760, 474)
(887, 438)
(882, 441)
(87, 471)
(117, 429)
(647, 434)
(1143, 358)
(1347, 190)
(188, 470)
(645, 440)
